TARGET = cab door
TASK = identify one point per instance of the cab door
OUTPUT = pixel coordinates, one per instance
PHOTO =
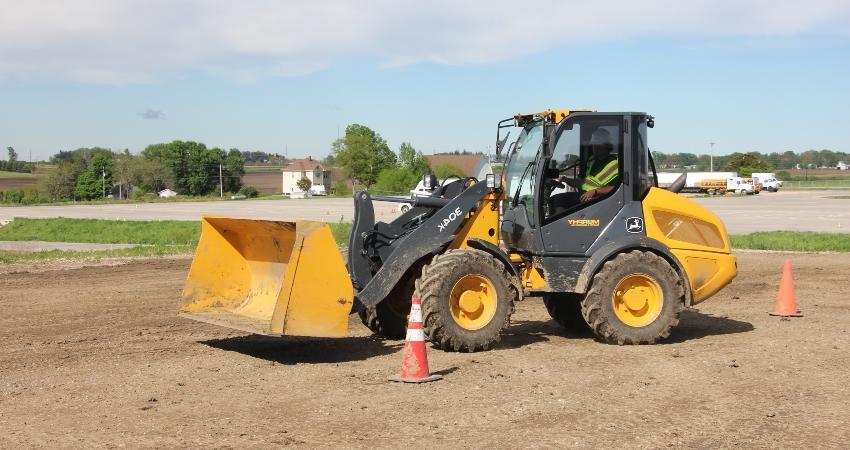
(570, 225)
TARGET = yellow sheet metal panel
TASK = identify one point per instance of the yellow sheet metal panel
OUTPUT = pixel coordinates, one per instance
(481, 224)
(696, 236)
(317, 295)
(533, 279)
(260, 276)
(707, 272)
(679, 222)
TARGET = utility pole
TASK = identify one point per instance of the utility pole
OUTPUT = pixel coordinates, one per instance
(711, 157)
(220, 183)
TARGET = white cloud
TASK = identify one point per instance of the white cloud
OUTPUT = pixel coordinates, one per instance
(133, 41)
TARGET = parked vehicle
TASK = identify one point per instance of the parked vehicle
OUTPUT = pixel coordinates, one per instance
(769, 182)
(720, 186)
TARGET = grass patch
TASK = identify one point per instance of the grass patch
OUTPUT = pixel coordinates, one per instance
(99, 231)
(152, 251)
(5, 174)
(263, 169)
(161, 238)
(341, 231)
(799, 241)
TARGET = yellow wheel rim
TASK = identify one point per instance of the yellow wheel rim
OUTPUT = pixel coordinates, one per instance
(637, 300)
(473, 301)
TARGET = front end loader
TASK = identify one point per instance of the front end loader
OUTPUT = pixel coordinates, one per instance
(622, 262)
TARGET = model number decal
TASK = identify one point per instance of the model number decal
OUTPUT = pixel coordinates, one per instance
(583, 222)
(452, 217)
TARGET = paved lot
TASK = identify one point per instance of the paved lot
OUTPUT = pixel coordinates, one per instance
(786, 210)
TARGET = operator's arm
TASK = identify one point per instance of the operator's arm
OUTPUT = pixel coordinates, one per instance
(598, 192)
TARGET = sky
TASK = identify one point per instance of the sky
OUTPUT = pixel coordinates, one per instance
(288, 76)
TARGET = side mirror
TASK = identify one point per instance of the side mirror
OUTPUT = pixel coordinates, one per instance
(429, 181)
(650, 122)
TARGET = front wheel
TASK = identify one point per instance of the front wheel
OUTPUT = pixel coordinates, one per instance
(635, 298)
(467, 300)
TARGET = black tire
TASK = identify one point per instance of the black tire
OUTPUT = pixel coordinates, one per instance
(389, 318)
(598, 304)
(435, 285)
(565, 309)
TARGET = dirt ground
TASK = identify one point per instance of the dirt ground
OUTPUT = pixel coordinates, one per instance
(16, 183)
(96, 357)
(265, 182)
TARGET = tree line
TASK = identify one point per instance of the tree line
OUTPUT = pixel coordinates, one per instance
(775, 160)
(189, 168)
(11, 164)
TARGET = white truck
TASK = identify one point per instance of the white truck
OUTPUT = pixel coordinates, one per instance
(695, 178)
(720, 186)
(421, 191)
(768, 180)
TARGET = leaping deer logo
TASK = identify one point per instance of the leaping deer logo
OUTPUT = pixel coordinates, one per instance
(634, 224)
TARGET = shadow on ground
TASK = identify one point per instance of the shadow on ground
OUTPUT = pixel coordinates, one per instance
(294, 350)
(696, 325)
(692, 325)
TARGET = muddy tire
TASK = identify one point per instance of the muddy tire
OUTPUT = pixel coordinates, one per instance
(467, 300)
(389, 318)
(635, 298)
(565, 309)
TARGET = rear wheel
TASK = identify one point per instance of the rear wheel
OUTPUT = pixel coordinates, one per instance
(565, 309)
(467, 300)
(635, 299)
(389, 318)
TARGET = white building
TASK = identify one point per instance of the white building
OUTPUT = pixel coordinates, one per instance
(842, 166)
(165, 193)
(305, 168)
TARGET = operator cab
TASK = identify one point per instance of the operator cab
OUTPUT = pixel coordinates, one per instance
(569, 174)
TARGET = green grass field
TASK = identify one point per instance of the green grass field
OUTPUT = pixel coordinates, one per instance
(97, 231)
(799, 241)
(262, 169)
(171, 237)
(167, 237)
(4, 174)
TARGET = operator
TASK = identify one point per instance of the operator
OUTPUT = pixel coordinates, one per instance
(600, 174)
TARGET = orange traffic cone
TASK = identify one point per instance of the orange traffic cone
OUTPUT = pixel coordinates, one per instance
(414, 363)
(786, 301)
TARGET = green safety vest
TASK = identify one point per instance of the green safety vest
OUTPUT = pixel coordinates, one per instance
(602, 177)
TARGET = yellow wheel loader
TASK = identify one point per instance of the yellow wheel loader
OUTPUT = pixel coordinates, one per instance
(575, 218)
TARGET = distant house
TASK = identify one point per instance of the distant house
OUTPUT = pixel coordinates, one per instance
(319, 177)
(472, 165)
(842, 166)
(165, 193)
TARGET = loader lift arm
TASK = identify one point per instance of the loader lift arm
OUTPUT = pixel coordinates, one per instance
(430, 234)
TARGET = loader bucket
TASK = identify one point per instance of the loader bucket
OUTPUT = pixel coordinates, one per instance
(268, 277)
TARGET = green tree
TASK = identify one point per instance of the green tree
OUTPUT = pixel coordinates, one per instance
(747, 163)
(195, 168)
(233, 170)
(363, 154)
(13, 155)
(63, 180)
(444, 171)
(96, 181)
(396, 180)
(304, 184)
(412, 160)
